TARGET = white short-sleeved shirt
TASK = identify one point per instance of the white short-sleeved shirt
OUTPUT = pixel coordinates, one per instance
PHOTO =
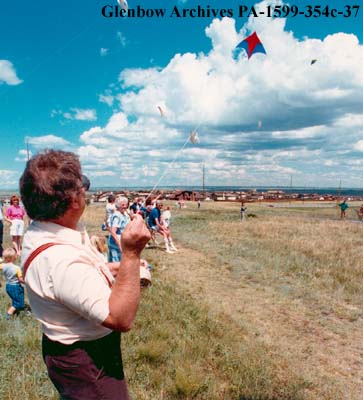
(110, 209)
(66, 283)
(165, 217)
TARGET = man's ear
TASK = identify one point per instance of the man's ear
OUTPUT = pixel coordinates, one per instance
(75, 202)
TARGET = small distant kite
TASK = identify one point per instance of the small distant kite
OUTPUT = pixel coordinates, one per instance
(123, 4)
(252, 44)
(162, 113)
(313, 61)
(193, 137)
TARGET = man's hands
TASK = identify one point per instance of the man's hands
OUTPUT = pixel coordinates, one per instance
(135, 236)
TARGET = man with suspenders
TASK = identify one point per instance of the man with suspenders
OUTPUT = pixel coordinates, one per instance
(82, 307)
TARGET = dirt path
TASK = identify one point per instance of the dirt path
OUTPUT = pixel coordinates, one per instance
(324, 349)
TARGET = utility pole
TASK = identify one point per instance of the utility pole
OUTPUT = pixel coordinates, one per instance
(340, 188)
(27, 150)
(203, 179)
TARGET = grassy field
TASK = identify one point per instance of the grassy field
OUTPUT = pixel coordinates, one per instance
(267, 309)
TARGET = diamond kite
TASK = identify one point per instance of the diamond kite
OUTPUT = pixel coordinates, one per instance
(252, 45)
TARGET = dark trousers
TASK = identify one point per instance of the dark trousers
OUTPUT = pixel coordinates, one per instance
(1, 237)
(86, 370)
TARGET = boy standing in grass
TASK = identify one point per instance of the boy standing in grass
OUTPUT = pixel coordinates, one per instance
(14, 279)
(343, 208)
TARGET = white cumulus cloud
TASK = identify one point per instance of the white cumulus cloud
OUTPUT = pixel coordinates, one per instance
(8, 73)
(258, 120)
(47, 141)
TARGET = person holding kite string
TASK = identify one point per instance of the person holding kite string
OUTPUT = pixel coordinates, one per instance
(82, 308)
(156, 226)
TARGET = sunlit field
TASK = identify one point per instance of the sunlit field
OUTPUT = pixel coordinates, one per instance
(266, 309)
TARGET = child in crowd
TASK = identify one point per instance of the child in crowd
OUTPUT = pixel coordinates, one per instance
(165, 222)
(14, 279)
(99, 242)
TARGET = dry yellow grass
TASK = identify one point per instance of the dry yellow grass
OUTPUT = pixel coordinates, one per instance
(293, 278)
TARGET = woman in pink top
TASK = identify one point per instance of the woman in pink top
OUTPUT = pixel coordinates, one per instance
(15, 216)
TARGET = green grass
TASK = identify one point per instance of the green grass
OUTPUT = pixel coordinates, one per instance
(179, 350)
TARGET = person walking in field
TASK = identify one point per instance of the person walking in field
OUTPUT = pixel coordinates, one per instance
(343, 208)
(82, 308)
(243, 212)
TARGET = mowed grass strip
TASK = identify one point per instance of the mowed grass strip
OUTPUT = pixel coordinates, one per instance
(177, 350)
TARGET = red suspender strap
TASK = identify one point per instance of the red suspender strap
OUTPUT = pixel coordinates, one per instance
(108, 281)
(35, 253)
(46, 246)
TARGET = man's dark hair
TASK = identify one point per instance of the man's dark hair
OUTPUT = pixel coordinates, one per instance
(50, 180)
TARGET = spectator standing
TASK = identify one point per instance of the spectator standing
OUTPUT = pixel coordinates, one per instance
(243, 212)
(360, 213)
(165, 222)
(118, 222)
(343, 208)
(14, 279)
(155, 225)
(110, 209)
(135, 207)
(1, 230)
(15, 214)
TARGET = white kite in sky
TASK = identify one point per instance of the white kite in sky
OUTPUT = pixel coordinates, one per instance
(123, 4)
(193, 137)
(162, 113)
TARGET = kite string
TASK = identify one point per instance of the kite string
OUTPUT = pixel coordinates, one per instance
(172, 163)
(167, 169)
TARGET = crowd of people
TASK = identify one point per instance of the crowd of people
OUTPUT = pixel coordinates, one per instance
(119, 214)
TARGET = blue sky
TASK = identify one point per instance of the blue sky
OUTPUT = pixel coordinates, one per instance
(72, 79)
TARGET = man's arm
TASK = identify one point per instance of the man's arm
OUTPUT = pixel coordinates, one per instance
(125, 294)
